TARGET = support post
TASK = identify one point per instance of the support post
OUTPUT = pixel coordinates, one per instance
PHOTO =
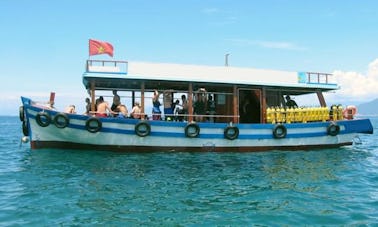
(93, 96)
(235, 105)
(142, 100)
(190, 102)
(321, 99)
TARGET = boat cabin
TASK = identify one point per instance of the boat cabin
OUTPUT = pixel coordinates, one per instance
(241, 95)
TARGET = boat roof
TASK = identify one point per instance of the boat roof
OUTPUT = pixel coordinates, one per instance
(122, 75)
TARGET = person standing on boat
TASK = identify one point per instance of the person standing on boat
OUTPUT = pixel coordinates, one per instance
(290, 103)
(116, 101)
(167, 100)
(102, 108)
(211, 108)
(156, 112)
(246, 111)
(88, 106)
(136, 111)
(183, 110)
(200, 105)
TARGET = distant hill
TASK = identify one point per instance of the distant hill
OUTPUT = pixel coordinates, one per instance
(369, 108)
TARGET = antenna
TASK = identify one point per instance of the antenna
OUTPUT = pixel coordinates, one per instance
(226, 59)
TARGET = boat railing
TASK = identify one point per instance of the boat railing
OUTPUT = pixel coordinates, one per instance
(107, 66)
(315, 78)
(205, 117)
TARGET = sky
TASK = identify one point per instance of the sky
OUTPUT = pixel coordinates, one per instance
(45, 42)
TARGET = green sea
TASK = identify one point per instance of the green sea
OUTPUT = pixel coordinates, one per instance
(52, 187)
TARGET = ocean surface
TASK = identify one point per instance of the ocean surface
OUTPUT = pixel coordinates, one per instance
(54, 187)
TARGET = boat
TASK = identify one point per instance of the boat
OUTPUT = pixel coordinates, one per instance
(250, 111)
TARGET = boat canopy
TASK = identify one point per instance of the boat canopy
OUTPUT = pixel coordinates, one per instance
(123, 75)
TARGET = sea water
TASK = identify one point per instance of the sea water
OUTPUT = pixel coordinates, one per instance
(53, 187)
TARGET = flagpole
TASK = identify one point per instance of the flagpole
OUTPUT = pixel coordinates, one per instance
(89, 56)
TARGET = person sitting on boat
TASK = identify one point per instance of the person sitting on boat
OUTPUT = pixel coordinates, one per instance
(50, 105)
(156, 112)
(122, 111)
(136, 111)
(290, 103)
(102, 108)
(70, 109)
(176, 107)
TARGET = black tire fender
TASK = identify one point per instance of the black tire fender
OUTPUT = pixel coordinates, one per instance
(61, 120)
(22, 113)
(143, 128)
(192, 130)
(231, 132)
(279, 131)
(93, 125)
(333, 129)
(43, 119)
(25, 129)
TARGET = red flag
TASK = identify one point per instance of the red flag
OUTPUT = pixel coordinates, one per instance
(99, 47)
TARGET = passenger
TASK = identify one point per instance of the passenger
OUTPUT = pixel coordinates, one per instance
(116, 100)
(247, 111)
(102, 108)
(211, 109)
(122, 111)
(167, 100)
(50, 105)
(70, 109)
(156, 112)
(290, 103)
(88, 106)
(176, 106)
(199, 105)
(183, 110)
(97, 102)
(136, 111)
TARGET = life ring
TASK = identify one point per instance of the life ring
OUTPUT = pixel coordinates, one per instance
(93, 125)
(22, 113)
(142, 128)
(231, 132)
(25, 129)
(279, 131)
(61, 120)
(333, 129)
(43, 119)
(192, 130)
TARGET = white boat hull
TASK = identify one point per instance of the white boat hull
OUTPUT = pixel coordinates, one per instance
(120, 135)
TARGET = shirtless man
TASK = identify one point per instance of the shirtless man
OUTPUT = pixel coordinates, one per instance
(122, 109)
(135, 112)
(70, 109)
(102, 108)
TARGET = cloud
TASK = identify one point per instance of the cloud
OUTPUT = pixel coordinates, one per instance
(268, 44)
(357, 86)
